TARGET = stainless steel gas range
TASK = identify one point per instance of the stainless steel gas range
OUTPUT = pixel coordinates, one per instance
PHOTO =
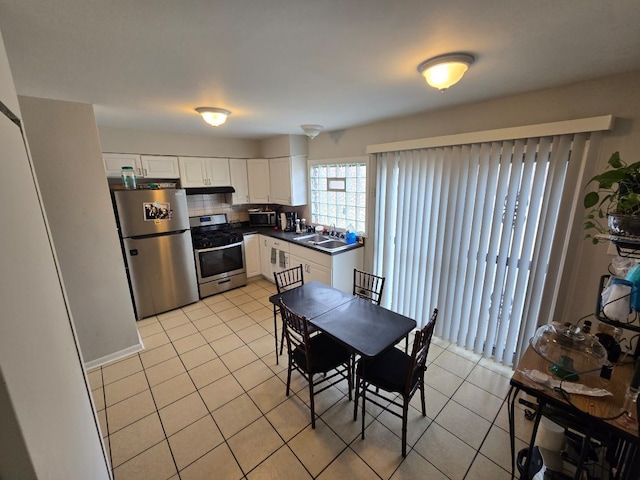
(219, 254)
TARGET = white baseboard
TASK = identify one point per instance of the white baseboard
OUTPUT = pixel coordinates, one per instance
(99, 362)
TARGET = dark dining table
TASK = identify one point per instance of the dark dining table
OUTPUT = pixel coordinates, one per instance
(365, 328)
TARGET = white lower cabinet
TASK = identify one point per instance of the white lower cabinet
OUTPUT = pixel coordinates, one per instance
(252, 255)
(274, 256)
(334, 270)
(312, 271)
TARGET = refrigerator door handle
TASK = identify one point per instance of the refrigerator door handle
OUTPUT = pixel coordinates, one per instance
(163, 234)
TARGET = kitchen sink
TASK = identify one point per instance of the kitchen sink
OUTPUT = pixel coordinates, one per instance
(313, 238)
(332, 244)
(323, 242)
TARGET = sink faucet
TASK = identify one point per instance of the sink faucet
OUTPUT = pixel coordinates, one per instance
(332, 230)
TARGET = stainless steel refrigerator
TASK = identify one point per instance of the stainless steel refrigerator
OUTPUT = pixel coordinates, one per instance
(156, 239)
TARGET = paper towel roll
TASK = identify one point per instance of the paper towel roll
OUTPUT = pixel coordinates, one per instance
(550, 435)
(618, 305)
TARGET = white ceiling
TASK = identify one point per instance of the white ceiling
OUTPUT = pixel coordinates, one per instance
(277, 64)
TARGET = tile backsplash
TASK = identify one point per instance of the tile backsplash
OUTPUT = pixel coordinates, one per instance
(212, 203)
(208, 204)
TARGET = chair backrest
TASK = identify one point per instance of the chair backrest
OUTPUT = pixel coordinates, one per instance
(296, 330)
(289, 278)
(421, 344)
(368, 286)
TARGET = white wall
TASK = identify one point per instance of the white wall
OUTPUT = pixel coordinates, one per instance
(618, 95)
(67, 157)
(283, 146)
(48, 429)
(121, 140)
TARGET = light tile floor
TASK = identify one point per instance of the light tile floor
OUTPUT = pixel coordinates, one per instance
(206, 400)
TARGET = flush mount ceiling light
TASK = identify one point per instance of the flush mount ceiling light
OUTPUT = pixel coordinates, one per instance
(445, 70)
(311, 131)
(213, 116)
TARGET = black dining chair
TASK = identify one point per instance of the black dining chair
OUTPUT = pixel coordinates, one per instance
(395, 372)
(285, 280)
(317, 355)
(368, 286)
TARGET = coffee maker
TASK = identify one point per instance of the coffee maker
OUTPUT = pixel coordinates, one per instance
(288, 221)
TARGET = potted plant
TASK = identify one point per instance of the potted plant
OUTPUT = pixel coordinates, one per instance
(616, 201)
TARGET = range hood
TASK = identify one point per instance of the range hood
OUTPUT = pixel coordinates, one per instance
(206, 190)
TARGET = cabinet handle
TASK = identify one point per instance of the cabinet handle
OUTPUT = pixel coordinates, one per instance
(145, 172)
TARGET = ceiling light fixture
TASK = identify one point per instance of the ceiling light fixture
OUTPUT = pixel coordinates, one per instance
(213, 116)
(445, 70)
(310, 130)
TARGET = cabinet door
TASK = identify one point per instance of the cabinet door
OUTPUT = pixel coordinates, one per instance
(265, 259)
(113, 163)
(312, 271)
(193, 172)
(218, 172)
(280, 177)
(238, 172)
(252, 254)
(160, 166)
(258, 179)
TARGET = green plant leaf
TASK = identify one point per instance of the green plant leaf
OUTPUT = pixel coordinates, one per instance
(615, 161)
(591, 199)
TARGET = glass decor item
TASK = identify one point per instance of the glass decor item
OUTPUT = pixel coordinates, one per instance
(128, 178)
(571, 352)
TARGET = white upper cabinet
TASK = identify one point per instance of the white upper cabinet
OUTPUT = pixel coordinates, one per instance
(219, 175)
(145, 166)
(113, 163)
(288, 178)
(204, 172)
(159, 166)
(239, 180)
(258, 179)
(193, 172)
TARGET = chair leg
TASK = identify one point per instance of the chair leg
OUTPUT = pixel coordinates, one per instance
(282, 341)
(363, 388)
(424, 409)
(406, 344)
(350, 370)
(313, 405)
(289, 378)
(275, 329)
(405, 413)
(355, 402)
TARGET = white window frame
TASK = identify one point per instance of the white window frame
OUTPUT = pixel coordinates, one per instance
(337, 161)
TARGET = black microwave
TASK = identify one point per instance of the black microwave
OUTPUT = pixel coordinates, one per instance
(262, 219)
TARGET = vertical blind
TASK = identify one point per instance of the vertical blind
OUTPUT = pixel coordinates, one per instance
(471, 229)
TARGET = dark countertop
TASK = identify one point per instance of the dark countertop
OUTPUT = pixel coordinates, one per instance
(287, 236)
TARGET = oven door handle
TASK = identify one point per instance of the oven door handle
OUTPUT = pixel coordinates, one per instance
(213, 249)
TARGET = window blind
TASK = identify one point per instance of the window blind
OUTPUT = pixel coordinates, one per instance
(471, 229)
